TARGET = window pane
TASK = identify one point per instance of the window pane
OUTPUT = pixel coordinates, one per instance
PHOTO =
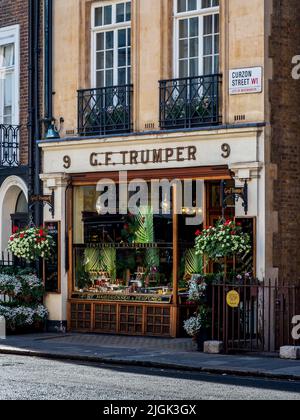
(194, 67)
(122, 76)
(122, 57)
(217, 44)
(107, 15)
(100, 60)
(109, 59)
(120, 13)
(217, 24)
(207, 45)
(181, 6)
(129, 56)
(207, 24)
(184, 48)
(183, 68)
(192, 4)
(99, 16)
(194, 27)
(128, 11)
(109, 40)
(183, 28)
(100, 42)
(194, 47)
(109, 78)
(100, 79)
(207, 64)
(122, 38)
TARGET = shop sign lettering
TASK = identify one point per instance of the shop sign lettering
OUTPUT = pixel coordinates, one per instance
(144, 157)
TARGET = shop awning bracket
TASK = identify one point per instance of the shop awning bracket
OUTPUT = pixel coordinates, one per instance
(236, 193)
(48, 199)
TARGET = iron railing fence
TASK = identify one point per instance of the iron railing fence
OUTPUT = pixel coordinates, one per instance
(9, 145)
(105, 110)
(263, 319)
(191, 102)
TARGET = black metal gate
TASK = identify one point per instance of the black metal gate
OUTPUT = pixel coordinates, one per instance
(261, 320)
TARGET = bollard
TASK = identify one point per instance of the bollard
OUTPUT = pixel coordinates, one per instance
(2, 328)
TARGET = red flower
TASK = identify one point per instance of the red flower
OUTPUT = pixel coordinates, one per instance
(198, 233)
(41, 232)
(22, 236)
(11, 238)
(15, 229)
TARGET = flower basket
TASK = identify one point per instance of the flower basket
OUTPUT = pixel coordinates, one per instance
(223, 240)
(31, 244)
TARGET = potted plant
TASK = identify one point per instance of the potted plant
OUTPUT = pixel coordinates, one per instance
(197, 327)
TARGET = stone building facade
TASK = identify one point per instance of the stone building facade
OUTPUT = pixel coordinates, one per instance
(207, 76)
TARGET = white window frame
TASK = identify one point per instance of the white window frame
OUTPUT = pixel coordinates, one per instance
(105, 28)
(185, 15)
(11, 35)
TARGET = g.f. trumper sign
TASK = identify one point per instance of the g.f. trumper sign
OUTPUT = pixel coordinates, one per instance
(144, 157)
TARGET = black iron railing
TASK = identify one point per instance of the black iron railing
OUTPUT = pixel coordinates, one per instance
(9, 145)
(190, 102)
(105, 110)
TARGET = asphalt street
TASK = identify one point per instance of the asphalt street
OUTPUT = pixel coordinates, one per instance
(25, 378)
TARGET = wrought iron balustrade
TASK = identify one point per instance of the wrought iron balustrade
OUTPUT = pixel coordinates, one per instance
(9, 145)
(104, 111)
(190, 102)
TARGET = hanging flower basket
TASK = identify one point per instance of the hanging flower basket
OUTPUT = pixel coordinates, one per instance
(31, 244)
(223, 240)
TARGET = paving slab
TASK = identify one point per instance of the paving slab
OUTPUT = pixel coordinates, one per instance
(151, 352)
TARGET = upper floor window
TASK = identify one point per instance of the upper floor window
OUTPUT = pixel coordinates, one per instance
(111, 44)
(9, 75)
(197, 37)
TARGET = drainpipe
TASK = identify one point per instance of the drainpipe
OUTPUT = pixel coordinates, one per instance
(37, 131)
(48, 23)
(30, 100)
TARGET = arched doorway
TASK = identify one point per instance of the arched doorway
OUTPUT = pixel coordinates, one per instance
(13, 207)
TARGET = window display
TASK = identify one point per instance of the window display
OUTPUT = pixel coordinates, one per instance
(130, 257)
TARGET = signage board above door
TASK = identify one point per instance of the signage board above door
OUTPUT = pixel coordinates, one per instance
(245, 80)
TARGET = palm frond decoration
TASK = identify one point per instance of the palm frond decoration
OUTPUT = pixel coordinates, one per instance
(193, 262)
(145, 226)
(109, 262)
(145, 235)
(92, 260)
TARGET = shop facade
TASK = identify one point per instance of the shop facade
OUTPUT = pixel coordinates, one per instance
(127, 273)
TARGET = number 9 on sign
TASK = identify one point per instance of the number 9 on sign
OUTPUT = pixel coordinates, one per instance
(67, 162)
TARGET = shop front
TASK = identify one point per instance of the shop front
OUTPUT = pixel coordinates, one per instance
(128, 230)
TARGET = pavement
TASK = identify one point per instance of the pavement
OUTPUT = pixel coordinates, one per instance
(178, 354)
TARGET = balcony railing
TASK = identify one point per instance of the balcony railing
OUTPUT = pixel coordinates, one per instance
(191, 102)
(9, 145)
(105, 111)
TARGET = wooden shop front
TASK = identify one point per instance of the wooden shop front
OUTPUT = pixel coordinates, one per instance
(128, 273)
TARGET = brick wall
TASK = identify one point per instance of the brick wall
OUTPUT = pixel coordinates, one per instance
(15, 12)
(285, 139)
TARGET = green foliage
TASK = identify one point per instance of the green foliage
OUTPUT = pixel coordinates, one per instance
(193, 262)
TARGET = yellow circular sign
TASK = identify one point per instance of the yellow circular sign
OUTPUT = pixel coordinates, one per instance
(233, 299)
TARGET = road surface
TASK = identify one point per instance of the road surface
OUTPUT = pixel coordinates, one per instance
(24, 378)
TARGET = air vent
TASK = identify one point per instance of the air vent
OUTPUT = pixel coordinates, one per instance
(149, 126)
(239, 118)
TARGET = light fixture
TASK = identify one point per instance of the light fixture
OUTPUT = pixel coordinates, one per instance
(165, 205)
(52, 132)
(99, 205)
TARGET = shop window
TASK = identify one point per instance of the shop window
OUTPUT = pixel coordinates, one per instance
(130, 257)
(111, 47)
(197, 37)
